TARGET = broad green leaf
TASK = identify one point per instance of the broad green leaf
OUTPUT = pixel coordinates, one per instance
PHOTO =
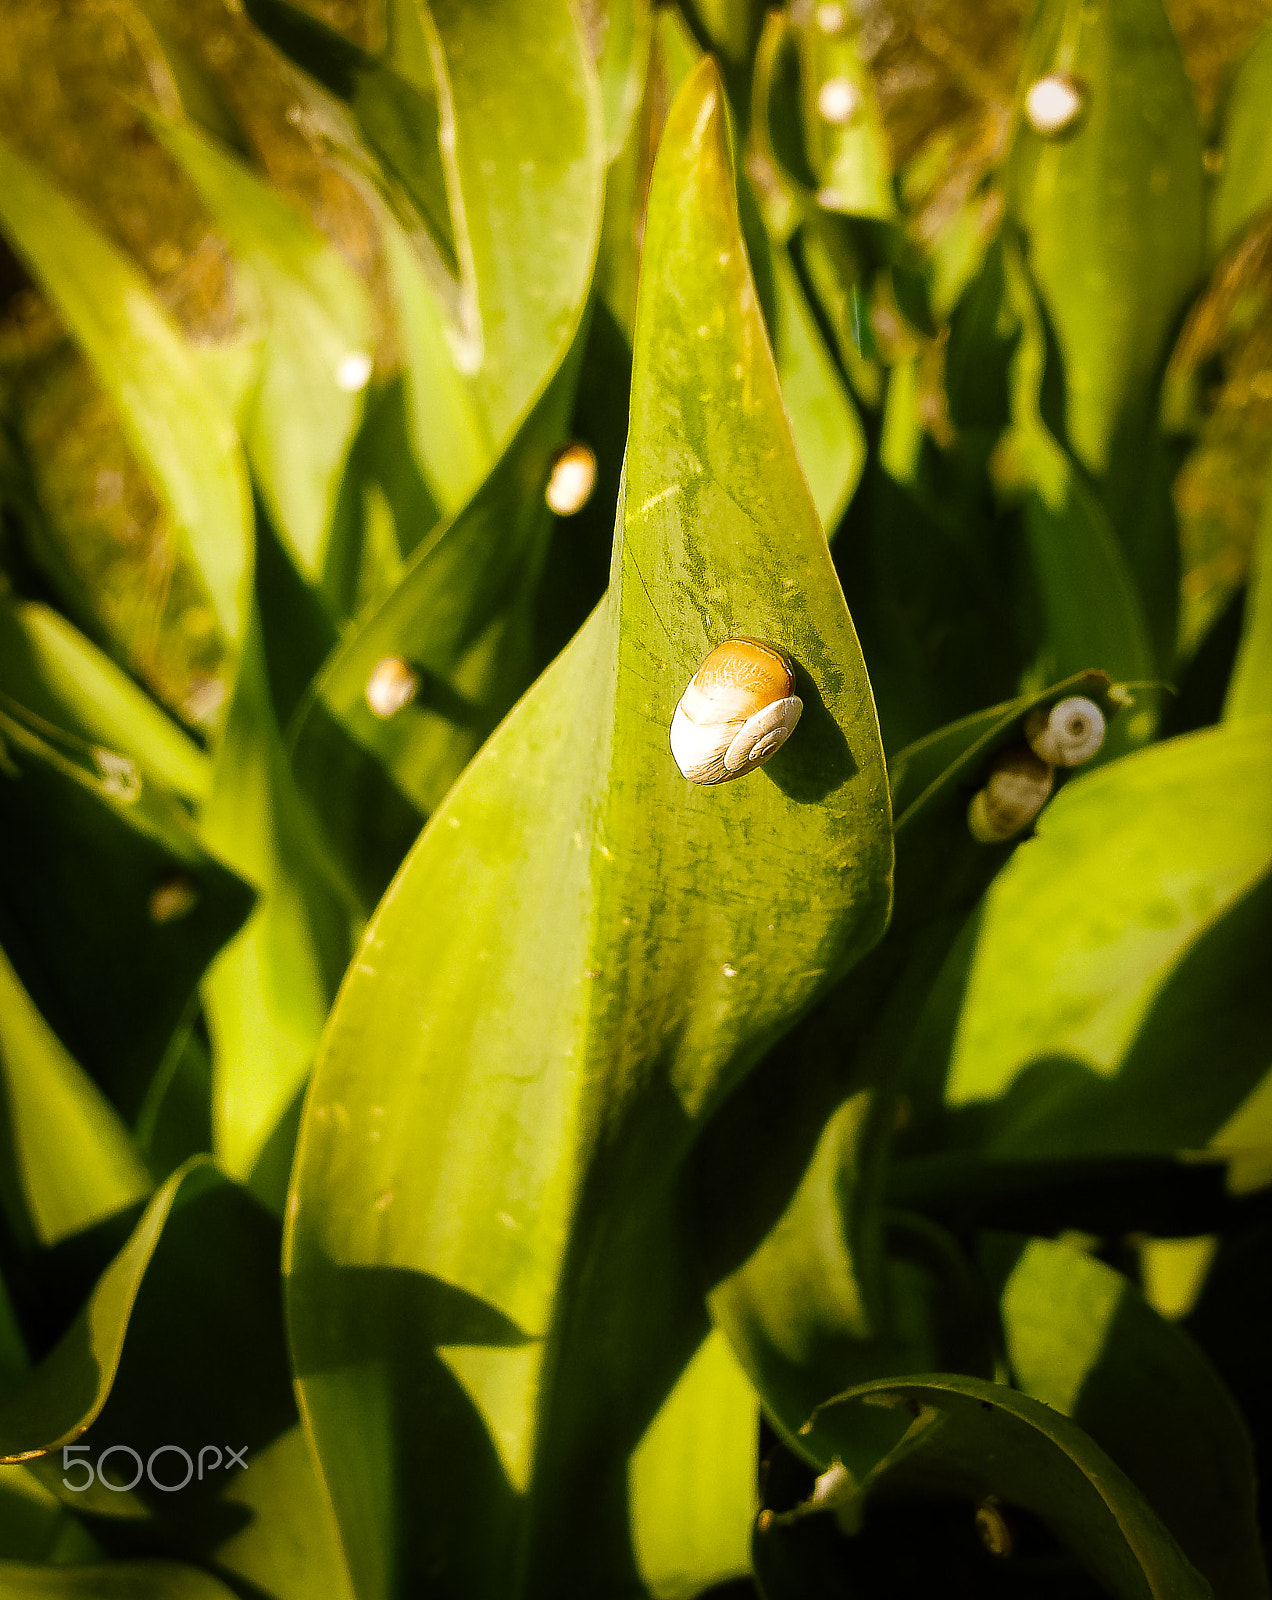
(1250, 687)
(267, 994)
(117, 1580)
(65, 1392)
(581, 956)
(54, 671)
(692, 1478)
(1245, 181)
(1112, 208)
(960, 1437)
(316, 359)
(167, 412)
(1132, 863)
(460, 617)
(1084, 1342)
(111, 906)
(73, 1163)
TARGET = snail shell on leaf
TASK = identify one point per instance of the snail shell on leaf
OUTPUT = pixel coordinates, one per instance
(738, 709)
(1070, 733)
(1016, 792)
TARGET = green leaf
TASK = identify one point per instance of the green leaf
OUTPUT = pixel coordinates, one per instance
(316, 359)
(809, 1309)
(268, 992)
(54, 671)
(119, 1580)
(193, 1291)
(1245, 182)
(394, 101)
(1084, 926)
(1112, 208)
(113, 906)
(824, 422)
(68, 1388)
(850, 158)
(529, 158)
(1091, 611)
(926, 771)
(1250, 687)
(580, 958)
(169, 415)
(692, 1478)
(1085, 1343)
(449, 433)
(73, 1163)
(968, 1439)
(461, 618)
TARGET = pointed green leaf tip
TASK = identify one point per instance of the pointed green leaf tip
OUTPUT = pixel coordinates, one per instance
(582, 955)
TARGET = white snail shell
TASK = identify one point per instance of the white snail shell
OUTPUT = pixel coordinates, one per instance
(1068, 734)
(1017, 790)
(392, 685)
(737, 710)
(1053, 104)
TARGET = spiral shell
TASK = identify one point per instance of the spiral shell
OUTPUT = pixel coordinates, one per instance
(1068, 734)
(1017, 790)
(737, 710)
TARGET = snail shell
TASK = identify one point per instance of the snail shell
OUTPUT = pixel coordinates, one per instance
(1016, 792)
(737, 710)
(1070, 733)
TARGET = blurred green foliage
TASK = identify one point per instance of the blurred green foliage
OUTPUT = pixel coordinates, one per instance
(550, 1176)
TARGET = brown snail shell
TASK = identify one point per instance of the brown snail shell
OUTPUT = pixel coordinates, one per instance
(738, 709)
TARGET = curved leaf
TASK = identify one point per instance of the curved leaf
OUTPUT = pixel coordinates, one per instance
(54, 671)
(66, 1391)
(461, 617)
(1081, 1340)
(1245, 183)
(1113, 209)
(581, 956)
(71, 1162)
(1250, 687)
(112, 907)
(168, 413)
(965, 1438)
(316, 359)
(1082, 928)
(692, 1478)
(120, 1580)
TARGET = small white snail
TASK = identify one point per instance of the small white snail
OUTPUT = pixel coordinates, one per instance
(837, 100)
(573, 479)
(737, 710)
(1053, 104)
(1018, 787)
(393, 684)
(1068, 733)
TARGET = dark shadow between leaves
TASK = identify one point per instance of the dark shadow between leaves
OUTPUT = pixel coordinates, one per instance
(816, 760)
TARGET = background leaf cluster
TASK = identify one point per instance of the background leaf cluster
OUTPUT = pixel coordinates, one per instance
(561, 1178)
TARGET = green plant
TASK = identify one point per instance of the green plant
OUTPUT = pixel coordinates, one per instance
(675, 1187)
